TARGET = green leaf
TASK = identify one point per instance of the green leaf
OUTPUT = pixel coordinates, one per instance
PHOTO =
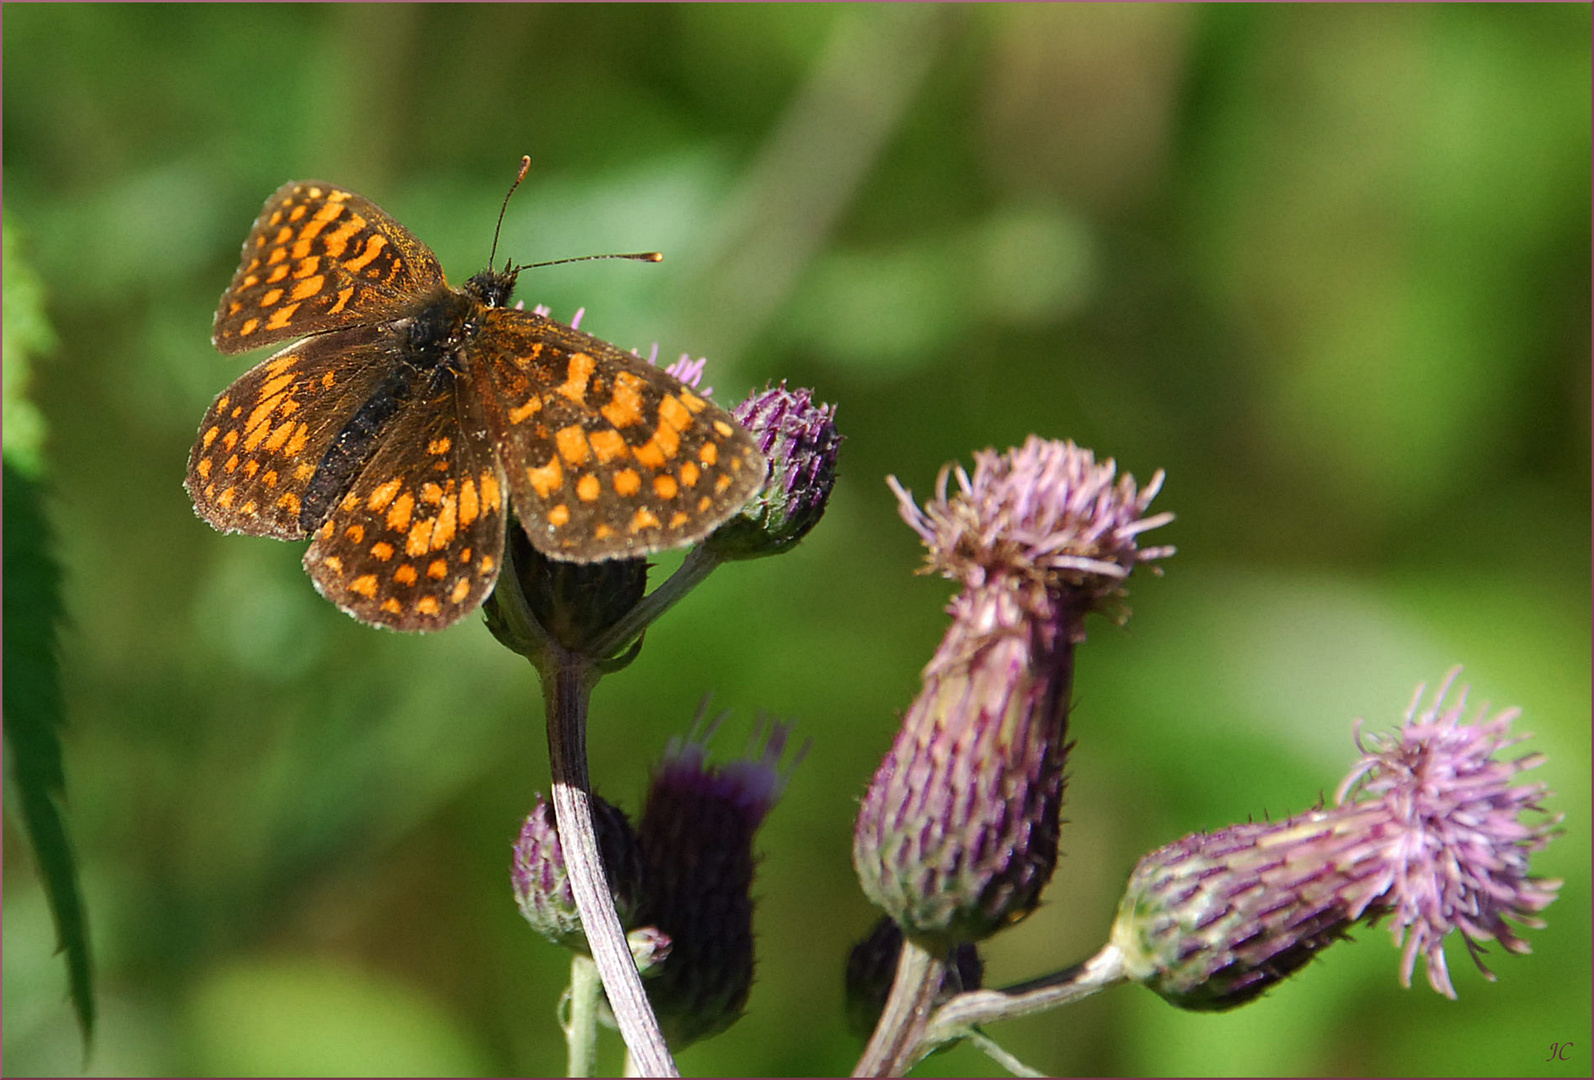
(33, 612)
(27, 332)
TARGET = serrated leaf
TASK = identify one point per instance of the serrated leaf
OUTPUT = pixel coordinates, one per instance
(34, 716)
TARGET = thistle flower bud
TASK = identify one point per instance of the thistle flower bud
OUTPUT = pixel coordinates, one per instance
(1424, 831)
(957, 834)
(872, 965)
(542, 889)
(801, 441)
(572, 602)
(697, 835)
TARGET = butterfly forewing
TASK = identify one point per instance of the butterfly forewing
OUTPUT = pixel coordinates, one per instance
(415, 543)
(264, 438)
(606, 455)
(320, 257)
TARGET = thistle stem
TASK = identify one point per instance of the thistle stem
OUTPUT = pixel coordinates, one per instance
(581, 1030)
(896, 1044)
(567, 689)
(967, 1010)
(698, 564)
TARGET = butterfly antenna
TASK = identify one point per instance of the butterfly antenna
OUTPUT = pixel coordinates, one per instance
(638, 256)
(525, 165)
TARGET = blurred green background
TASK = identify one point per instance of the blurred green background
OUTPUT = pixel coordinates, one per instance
(1329, 266)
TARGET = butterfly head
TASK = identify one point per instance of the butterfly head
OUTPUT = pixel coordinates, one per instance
(492, 288)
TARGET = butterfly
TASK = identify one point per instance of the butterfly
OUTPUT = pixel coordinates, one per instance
(409, 416)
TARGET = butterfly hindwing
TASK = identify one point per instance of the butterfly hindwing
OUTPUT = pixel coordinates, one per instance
(264, 437)
(415, 542)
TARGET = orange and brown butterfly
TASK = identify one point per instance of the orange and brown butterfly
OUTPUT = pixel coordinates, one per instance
(399, 429)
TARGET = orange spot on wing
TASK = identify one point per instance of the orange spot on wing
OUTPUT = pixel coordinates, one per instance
(559, 516)
(419, 540)
(383, 495)
(673, 413)
(520, 412)
(627, 482)
(443, 531)
(279, 437)
(665, 487)
(576, 377)
(588, 488)
(373, 247)
(547, 479)
(343, 298)
(437, 569)
(644, 519)
(382, 550)
(572, 443)
(625, 405)
(607, 445)
(398, 515)
(282, 317)
(405, 575)
(365, 585)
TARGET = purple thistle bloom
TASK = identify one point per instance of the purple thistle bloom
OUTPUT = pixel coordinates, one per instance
(688, 371)
(697, 835)
(957, 835)
(800, 439)
(1430, 839)
(1456, 855)
(1044, 514)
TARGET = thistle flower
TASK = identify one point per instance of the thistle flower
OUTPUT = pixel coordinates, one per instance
(957, 834)
(542, 889)
(697, 836)
(1424, 831)
(801, 441)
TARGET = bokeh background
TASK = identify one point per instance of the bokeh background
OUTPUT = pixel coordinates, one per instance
(1328, 266)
